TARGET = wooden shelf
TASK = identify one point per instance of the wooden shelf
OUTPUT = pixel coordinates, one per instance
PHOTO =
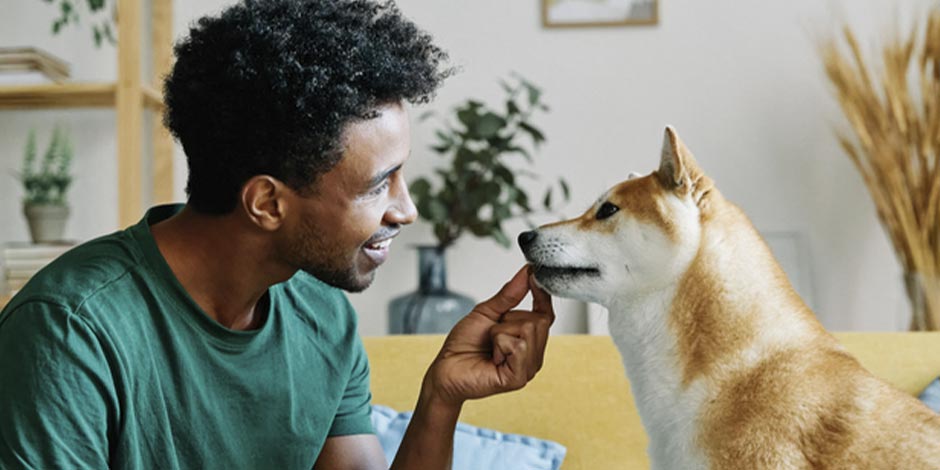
(153, 99)
(70, 95)
(129, 96)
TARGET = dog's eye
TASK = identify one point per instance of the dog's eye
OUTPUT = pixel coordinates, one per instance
(606, 210)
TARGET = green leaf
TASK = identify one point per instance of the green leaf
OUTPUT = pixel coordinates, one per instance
(489, 125)
(420, 188)
(547, 202)
(444, 137)
(479, 228)
(504, 174)
(564, 189)
(525, 153)
(426, 115)
(501, 212)
(537, 136)
(534, 92)
(467, 117)
(464, 157)
(522, 199)
(437, 211)
(512, 108)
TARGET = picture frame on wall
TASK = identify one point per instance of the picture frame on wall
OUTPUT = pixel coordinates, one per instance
(588, 13)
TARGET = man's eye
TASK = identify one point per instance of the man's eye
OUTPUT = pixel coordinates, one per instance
(606, 210)
(378, 190)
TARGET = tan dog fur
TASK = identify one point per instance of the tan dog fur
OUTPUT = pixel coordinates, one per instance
(729, 367)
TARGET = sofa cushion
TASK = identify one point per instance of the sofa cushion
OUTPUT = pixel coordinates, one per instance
(475, 448)
(931, 395)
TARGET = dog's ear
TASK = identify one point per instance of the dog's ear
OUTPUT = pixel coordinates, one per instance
(677, 167)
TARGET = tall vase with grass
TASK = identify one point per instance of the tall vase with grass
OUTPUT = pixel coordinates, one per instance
(893, 107)
(480, 187)
(45, 184)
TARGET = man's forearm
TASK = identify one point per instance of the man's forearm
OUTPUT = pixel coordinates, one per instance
(429, 440)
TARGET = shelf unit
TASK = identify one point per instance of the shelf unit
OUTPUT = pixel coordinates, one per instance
(130, 96)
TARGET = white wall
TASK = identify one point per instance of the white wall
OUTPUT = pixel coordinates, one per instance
(740, 80)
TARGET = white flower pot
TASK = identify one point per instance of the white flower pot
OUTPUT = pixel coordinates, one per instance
(46, 221)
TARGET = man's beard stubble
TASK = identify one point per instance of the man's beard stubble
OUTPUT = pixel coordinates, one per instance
(329, 264)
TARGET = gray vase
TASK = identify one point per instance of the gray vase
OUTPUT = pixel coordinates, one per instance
(46, 221)
(432, 308)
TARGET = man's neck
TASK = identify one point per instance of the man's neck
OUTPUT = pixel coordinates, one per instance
(223, 265)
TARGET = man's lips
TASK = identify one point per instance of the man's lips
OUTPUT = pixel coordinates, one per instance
(380, 245)
(377, 249)
(381, 241)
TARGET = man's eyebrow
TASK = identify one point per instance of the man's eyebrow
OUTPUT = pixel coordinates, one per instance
(379, 178)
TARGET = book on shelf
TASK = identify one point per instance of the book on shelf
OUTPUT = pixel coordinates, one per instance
(23, 60)
(21, 261)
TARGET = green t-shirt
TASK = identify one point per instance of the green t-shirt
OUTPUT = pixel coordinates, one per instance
(106, 362)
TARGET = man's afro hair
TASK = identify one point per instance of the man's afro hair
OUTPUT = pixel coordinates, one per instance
(268, 86)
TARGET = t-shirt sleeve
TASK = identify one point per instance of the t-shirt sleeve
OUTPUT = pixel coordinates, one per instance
(56, 393)
(354, 415)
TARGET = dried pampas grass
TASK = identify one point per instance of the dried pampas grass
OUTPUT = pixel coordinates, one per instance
(893, 108)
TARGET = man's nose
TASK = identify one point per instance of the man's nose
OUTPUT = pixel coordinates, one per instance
(526, 238)
(403, 211)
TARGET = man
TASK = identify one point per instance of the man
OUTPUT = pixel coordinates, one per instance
(214, 335)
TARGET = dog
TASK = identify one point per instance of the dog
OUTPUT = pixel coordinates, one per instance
(728, 366)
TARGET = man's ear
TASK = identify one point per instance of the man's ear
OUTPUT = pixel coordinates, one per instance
(265, 203)
(677, 166)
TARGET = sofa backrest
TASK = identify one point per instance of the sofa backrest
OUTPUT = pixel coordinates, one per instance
(582, 399)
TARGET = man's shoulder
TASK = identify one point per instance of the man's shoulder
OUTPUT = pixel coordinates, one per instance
(82, 272)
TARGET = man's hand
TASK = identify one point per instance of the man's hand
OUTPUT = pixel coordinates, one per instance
(495, 348)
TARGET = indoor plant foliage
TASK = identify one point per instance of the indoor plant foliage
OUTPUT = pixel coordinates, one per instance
(893, 108)
(45, 184)
(478, 189)
(68, 14)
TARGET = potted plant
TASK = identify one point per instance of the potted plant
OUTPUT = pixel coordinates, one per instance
(45, 184)
(481, 186)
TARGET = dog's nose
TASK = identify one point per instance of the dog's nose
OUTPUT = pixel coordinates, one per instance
(526, 238)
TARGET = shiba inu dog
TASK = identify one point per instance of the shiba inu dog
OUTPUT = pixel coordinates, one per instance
(728, 367)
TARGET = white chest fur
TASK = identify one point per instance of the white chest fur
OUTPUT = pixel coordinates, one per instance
(668, 409)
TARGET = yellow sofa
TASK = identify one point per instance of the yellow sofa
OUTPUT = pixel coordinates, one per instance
(581, 397)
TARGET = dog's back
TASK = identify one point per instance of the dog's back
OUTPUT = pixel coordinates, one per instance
(782, 392)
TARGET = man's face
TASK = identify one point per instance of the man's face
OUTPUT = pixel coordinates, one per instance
(344, 229)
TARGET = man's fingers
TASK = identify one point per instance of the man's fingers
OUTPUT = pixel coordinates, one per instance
(508, 297)
(541, 300)
(533, 332)
(512, 370)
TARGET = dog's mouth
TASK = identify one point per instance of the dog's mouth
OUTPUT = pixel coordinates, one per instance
(566, 271)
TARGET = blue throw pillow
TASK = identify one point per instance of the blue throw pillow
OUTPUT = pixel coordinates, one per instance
(474, 448)
(931, 395)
